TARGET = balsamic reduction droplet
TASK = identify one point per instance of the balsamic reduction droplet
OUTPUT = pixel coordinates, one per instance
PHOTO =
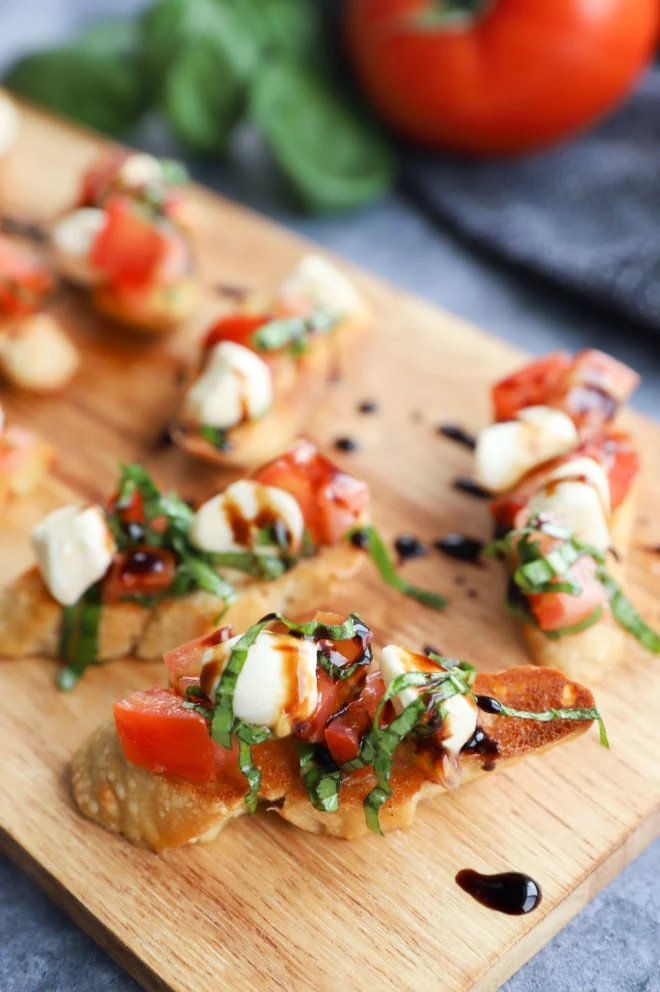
(407, 546)
(368, 406)
(510, 892)
(458, 434)
(481, 743)
(466, 485)
(488, 704)
(429, 649)
(459, 546)
(360, 539)
(135, 531)
(346, 444)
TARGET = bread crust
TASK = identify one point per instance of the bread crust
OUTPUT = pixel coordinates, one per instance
(591, 654)
(165, 308)
(30, 619)
(160, 811)
(298, 386)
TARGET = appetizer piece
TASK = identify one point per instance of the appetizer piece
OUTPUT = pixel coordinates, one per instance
(297, 716)
(263, 370)
(24, 460)
(127, 241)
(147, 571)
(35, 353)
(9, 123)
(566, 480)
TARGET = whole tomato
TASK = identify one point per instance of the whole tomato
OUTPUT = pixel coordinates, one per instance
(497, 77)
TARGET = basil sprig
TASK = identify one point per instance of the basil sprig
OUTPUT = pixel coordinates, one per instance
(627, 616)
(388, 573)
(322, 785)
(293, 331)
(79, 637)
(217, 437)
(570, 713)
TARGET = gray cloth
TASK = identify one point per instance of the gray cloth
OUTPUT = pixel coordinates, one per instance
(586, 214)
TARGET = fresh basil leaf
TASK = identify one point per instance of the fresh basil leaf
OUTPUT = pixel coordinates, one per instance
(79, 637)
(217, 436)
(322, 785)
(204, 577)
(627, 616)
(293, 331)
(247, 736)
(545, 716)
(222, 725)
(95, 79)
(266, 567)
(334, 159)
(381, 558)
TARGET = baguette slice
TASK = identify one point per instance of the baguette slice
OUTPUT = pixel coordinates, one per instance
(31, 620)
(159, 811)
(162, 309)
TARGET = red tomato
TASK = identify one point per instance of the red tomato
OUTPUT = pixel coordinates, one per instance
(344, 732)
(24, 281)
(97, 182)
(530, 386)
(237, 327)
(143, 571)
(184, 662)
(554, 610)
(511, 77)
(622, 466)
(158, 734)
(593, 388)
(130, 248)
(331, 500)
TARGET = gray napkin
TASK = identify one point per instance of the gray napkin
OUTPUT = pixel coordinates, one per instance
(586, 214)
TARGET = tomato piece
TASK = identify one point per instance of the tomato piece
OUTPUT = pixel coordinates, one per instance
(345, 731)
(555, 610)
(594, 387)
(157, 733)
(331, 500)
(97, 182)
(130, 248)
(142, 571)
(501, 77)
(237, 327)
(25, 282)
(529, 386)
(131, 511)
(622, 466)
(184, 663)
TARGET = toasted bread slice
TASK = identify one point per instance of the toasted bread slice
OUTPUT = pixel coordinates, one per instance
(31, 620)
(592, 653)
(159, 811)
(24, 460)
(299, 383)
(163, 309)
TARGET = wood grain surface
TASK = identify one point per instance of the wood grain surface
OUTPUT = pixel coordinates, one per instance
(266, 907)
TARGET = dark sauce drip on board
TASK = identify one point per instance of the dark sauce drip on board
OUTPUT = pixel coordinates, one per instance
(346, 444)
(510, 892)
(30, 230)
(458, 434)
(460, 547)
(407, 546)
(368, 406)
(466, 485)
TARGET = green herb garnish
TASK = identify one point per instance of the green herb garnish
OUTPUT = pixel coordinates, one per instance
(546, 716)
(627, 616)
(322, 785)
(79, 637)
(388, 573)
(216, 436)
(293, 331)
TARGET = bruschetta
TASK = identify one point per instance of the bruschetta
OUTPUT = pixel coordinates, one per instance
(35, 352)
(127, 241)
(263, 370)
(300, 716)
(565, 483)
(24, 460)
(147, 571)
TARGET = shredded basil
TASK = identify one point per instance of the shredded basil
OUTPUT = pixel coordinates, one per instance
(247, 736)
(79, 634)
(322, 785)
(223, 723)
(545, 716)
(627, 616)
(293, 331)
(381, 559)
(215, 436)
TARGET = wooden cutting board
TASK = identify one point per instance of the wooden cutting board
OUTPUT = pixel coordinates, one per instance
(266, 907)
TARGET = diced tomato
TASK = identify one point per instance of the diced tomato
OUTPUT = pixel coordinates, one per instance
(131, 511)
(237, 327)
(593, 389)
(530, 386)
(130, 248)
(622, 466)
(157, 733)
(97, 182)
(331, 500)
(344, 732)
(555, 610)
(142, 571)
(24, 281)
(185, 662)
(332, 696)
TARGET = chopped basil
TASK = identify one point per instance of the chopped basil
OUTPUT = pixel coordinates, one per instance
(79, 634)
(627, 616)
(216, 436)
(545, 716)
(381, 559)
(293, 331)
(247, 736)
(222, 725)
(260, 566)
(322, 785)
(174, 172)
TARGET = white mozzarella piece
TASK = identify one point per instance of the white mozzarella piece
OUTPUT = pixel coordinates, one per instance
(277, 685)
(235, 385)
(576, 506)
(461, 710)
(72, 238)
(140, 170)
(2, 420)
(505, 452)
(245, 503)
(74, 548)
(9, 123)
(37, 354)
(587, 470)
(317, 280)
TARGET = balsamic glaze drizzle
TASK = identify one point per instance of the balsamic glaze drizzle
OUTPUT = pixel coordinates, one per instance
(467, 549)
(458, 434)
(346, 444)
(466, 485)
(510, 892)
(407, 546)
